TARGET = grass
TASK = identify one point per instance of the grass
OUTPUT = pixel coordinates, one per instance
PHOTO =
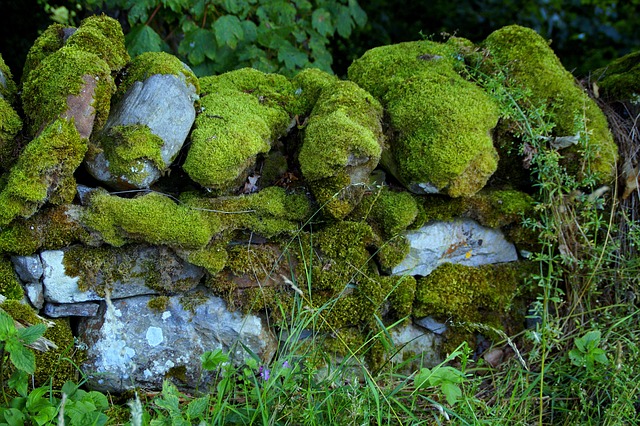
(577, 366)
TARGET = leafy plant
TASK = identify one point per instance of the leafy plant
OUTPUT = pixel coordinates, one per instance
(587, 351)
(216, 36)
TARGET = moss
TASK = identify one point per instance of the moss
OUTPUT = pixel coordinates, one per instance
(269, 212)
(392, 252)
(192, 300)
(43, 172)
(10, 286)
(469, 294)
(620, 80)
(49, 229)
(308, 84)
(10, 125)
(47, 43)
(60, 75)
(440, 137)
(127, 149)
(213, 257)
(7, 85)
(152, 218)
(158, 304)
(336, 196)
(56, 366)
(530, 62)
(102, 36)
(241, 118)
(150, 63)
(388, 212)
(344, 131)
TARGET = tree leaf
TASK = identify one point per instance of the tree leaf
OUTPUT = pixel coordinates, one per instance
(21, 356)
(452, 392)
(228, 31)
(344, 23)
(250, 31)
(197, 45)
(142, 39)
(359, 15)
(291, 56)
(31, 334)
(321, 22)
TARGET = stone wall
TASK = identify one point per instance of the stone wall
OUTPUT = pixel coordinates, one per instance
(157, 215)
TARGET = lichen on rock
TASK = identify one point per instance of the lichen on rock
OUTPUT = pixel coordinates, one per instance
(440, 137)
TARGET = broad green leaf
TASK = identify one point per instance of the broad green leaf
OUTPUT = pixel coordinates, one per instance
(250, 31)
(44, 415)
(576, 357)
(303, 5)
(98, 399)
(600, 356)
(197, 45)
(14, 417)
(197, 407)
(21, 356)
(344, 24)
(176, 5)
(19, 382)
(421, 379)
(7, 326)
(35, 400)
(139, 12)
(359, 15)
(31, 334)
(228, 31)
(291, 56)
(198, 8)
(452, 392)
(142, 39)
(235, 7)
(212, 359)
(321, 21)
(69, 388)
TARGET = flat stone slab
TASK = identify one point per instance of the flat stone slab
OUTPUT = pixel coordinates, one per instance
(462, 241)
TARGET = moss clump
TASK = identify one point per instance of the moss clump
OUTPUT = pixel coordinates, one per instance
(440, 138)
(620, 79)
(269, 212)
(129, 150)
(49, 229)
(241, 118)
(7, 85)
(158, 304)
(47, 43)
(10, 125)
(468, 294)
(392, 252)
(213, 257)
(530, 62)
(9, 284)
(152, 218)
(344, 132)
(56, 366)
(388, 212)
(150, 63)
(336, 196)
(308, 84)
(102, 36)
(43, 172)
(59, 76)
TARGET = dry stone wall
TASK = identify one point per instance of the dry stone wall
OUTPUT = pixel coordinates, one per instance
(158, 215)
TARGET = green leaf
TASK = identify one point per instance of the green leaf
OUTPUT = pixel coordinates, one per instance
(19, 382)
(14, 417)
(142, 39)
(45, 415)
(344, 23)
(176, 5)
(321, 21)
(452, 392)
(98, 399)
(236, 7)
(359, 15)
(600, 356)
(31, 334)
(69, 388)
(576, 357)
(197, 407)
(250, 31)
(291, 56)
(21, 356)
(421, 379)
(212, 359)
(228, 31)
(35, 400)
(197, 45)
(7, 326)
(139, 13)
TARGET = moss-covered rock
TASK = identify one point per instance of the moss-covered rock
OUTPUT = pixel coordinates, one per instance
(620, 80)
(43, 172)
(102, 36)
(50, 41)
(152, 218)
(9, 284)
(440, 136)
(241, 118)
(10, 125)
(59, 77)
(530, 62)
(308, 85)
(7, 85)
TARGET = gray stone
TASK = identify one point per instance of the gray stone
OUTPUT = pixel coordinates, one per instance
(126, 272)
(86, 309)
(461, 241)
(35, 293)
(131, 345)
(416, 344)
(28, 268)
(163, 103)
(431, 324)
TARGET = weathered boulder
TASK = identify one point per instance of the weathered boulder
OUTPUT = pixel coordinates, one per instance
(440, 124)
(80, 274)
(28, 268)
(10, 121)
(131, 344)
(461, 241)
(415, 344)
(149, 124)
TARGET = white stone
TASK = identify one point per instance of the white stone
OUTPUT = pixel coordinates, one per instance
(418, 344)
(461, 241)
(58, 286)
